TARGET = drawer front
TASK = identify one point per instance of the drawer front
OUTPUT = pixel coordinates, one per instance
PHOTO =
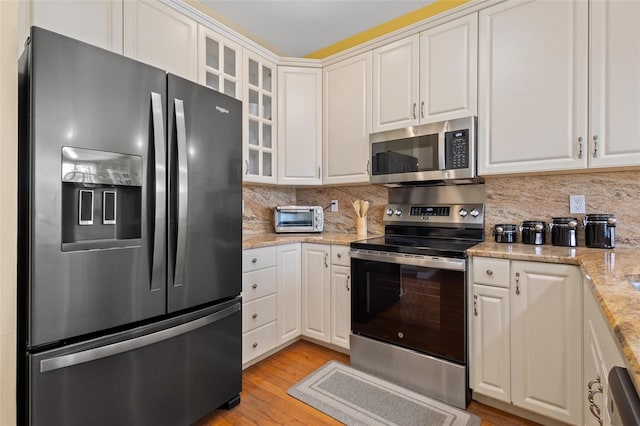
(258, 312)
(340, 255)
(258, 341)
(491, 271)
(258, 283)
(258, 258)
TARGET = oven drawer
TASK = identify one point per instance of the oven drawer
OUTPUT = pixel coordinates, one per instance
(490, 271)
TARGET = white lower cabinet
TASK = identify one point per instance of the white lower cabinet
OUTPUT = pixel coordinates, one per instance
(600, 355)
(289, 284)
(326, 293)
(527, 336)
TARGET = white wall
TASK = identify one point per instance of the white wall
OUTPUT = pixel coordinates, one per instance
(8, 215)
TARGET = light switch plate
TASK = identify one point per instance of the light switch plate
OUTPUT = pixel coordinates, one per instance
(577, 204)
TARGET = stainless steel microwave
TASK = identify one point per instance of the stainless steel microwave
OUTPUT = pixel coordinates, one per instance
(434, 152)
(298, 219)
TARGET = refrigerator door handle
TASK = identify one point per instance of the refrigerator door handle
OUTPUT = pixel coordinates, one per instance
(160, 192)
(183, 192)
(113, 349)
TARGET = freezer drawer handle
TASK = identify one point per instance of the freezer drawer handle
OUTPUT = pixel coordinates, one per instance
(183, 190)
(160, 212)
(94, 354)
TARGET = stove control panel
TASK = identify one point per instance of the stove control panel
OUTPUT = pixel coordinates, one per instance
(471, 215)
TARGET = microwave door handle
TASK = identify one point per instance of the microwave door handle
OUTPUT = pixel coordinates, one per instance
(183, 193)
(441, 154)
(160, 192)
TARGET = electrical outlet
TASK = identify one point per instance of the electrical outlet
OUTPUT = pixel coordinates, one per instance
(577, 204)
(334, 205)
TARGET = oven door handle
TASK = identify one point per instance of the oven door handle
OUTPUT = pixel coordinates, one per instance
(450, 264)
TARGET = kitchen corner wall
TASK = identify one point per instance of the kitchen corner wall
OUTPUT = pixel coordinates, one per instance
(259, 202)
(515, 199)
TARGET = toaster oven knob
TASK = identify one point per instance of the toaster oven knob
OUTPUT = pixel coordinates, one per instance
(475, 212)
(463, 212)
(398, 212)
(389, 212)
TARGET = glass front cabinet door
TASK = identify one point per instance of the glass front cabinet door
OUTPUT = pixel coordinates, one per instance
(221, 63)
(260, 109)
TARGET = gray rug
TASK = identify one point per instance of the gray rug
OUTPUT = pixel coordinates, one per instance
(357, 398)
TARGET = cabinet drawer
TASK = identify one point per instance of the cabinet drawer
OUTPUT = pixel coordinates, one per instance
(258, 258)
(340, 255)
(491, 271)
(258, 312)
(258, 341)
(258, 283)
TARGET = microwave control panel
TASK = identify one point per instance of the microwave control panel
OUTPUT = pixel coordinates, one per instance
(456, 146)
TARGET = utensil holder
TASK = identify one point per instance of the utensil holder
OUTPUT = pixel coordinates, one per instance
(361, 225)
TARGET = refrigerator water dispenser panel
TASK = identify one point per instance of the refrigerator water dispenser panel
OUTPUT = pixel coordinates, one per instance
(101, 199)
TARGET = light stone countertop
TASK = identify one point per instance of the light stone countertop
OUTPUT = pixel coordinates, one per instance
(265, 240)
(608, 269)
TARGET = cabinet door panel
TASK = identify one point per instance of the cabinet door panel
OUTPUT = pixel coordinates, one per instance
(615, 83)
(289, 292)
(449, 70)
(546, 339)
(340, 305)
(316, 292)
(491, 342)
(532, 86)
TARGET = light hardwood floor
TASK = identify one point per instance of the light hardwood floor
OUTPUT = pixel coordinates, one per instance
(264, 398)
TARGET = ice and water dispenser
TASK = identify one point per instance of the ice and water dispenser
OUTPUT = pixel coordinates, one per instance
(101, 199)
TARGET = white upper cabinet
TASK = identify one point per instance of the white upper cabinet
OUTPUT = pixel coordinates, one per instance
(614, 137)
(259, 133)
(158, 35)
(396, 68)
(449, 70)
(96, 22)
(532, 86)
(347, 120)
(427, 77)
(220, 63)
(299, 126)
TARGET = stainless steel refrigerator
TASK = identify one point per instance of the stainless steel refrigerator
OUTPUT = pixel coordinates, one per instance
(129, 271)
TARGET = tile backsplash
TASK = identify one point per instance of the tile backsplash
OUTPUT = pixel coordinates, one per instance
(508, 200)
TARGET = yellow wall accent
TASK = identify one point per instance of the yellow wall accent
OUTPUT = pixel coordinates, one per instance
(410, 18)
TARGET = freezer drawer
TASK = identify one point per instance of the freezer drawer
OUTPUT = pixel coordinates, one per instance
(170, 373)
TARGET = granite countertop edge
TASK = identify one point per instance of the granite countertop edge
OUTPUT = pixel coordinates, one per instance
(251, 241)
(619, 301)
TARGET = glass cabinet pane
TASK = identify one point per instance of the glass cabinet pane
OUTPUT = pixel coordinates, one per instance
(266, 78)
(266, 164)
(266, 135)
(253, 132)
(253, 73)
(212, 81)
(229, 61)
(254, 162)
(253, 102)
(266, 107)
(213, 54)
(229, 88)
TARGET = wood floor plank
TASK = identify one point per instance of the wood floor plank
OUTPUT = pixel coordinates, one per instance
(265, 402)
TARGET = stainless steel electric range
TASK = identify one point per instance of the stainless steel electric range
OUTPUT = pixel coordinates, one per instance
(410, 287)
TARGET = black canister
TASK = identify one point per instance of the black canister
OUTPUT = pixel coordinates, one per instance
(533, 232)
(564, 231)
(600, 230)
(505, 233)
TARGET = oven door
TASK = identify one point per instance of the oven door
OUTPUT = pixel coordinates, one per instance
(410, 301)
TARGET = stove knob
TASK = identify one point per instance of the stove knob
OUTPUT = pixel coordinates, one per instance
(475, 213)
(463, 212)
(389, 212)
(398, 212)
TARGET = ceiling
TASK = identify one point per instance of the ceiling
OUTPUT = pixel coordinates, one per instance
(298, 28)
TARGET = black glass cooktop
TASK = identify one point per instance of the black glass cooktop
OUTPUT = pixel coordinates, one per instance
(416, 245)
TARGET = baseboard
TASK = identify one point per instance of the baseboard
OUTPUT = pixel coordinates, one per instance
(520, 412)
(289, 343)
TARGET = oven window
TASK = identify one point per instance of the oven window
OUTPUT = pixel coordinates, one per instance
(297, 218)
(414, 307)
(416, 154)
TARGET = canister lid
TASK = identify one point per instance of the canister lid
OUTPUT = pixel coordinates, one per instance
(607, 218)
(532, 223)
(504, 228)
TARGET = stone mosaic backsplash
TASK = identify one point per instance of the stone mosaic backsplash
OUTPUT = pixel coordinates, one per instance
(509, 200)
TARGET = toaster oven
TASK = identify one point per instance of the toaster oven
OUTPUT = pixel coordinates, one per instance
(298, 219)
